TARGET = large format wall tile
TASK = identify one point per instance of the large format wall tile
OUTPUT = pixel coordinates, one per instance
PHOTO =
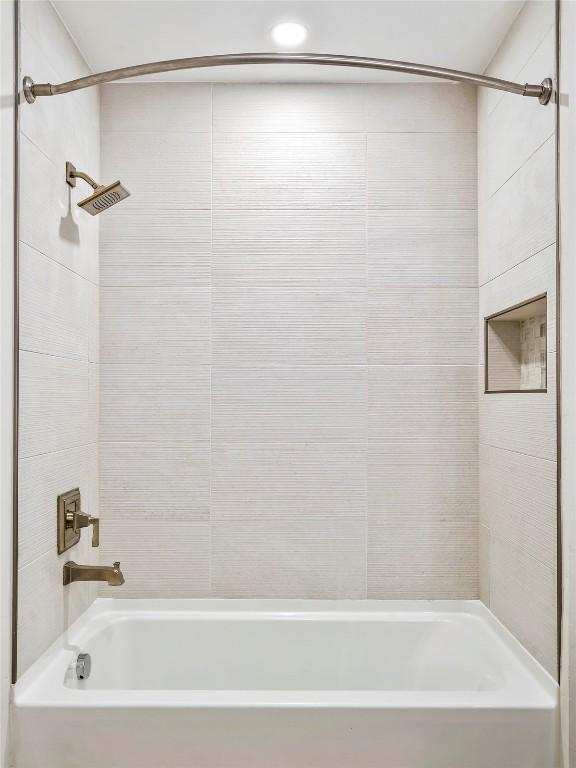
(422, 556)
(289, 481)
(162, 170)
(167, 403)
(266, 108)
(308, 558)
(312, 248)
(155, 325)
(420, 107)
(153, 108)
(155, 247)
(514, 130)
(421, 248)
(159, 558)
(56, 308)
(154, 481)
(292, 403)
(418, 411)
(56, 404)
(263, 326)
(412, 171)
(523, 594)
(432, 485)
(519, 220)
(518, 500)
(422, 482)
(422, 326)
(300, 171)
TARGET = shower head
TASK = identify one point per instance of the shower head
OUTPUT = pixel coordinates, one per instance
(102, 198)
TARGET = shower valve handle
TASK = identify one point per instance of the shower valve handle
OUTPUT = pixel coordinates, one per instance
(78, 520)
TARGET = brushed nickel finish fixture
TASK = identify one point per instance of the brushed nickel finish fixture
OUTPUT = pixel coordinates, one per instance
(71, 520)
(542, 92)
(104, 197)
(111, 574)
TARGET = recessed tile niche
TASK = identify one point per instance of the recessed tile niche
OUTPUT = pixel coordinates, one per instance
(515, 348)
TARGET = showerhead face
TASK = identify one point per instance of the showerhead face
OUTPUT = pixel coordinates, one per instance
(104, 198)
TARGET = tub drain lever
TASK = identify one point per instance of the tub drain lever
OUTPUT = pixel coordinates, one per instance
(83, 666)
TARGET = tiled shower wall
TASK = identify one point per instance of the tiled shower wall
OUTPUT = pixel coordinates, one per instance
(289, 334)
(517, 235)
(58, 331)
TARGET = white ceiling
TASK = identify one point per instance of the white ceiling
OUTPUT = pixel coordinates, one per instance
(461, 34)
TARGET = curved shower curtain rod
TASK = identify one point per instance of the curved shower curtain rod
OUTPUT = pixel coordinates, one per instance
(542, 92)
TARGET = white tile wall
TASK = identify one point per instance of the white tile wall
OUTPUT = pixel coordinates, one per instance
(290, 109)
(144, 480)
(154, 403)
(514, 130)
(314, 248)
(278, 325)
(166, 557)
(321, 403)
(309, 558)
(523, 592)
(422, 248)
(58, 332)
(513, 223)
(288, 170)
(58, 308)
(418, 326)
(155, 324)
(518, 441)
(414, 171)
(417, 109)
(518, 500)
(289, 365)
(288, 479)
(158, 247)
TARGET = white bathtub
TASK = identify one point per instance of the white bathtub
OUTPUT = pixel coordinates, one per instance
(287, 684)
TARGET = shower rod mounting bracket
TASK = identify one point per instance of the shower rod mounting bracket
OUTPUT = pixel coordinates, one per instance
(543, 92)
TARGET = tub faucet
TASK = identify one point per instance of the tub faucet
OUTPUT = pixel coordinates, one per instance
(109, 573)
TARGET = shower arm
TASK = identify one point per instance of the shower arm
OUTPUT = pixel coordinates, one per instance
(72, 174)
(542, 92)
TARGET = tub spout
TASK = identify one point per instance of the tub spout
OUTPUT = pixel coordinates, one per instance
(109, 573)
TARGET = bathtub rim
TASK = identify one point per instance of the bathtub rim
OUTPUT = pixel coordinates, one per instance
(42, 684)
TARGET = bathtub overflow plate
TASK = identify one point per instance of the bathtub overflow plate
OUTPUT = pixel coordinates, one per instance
(83, 666)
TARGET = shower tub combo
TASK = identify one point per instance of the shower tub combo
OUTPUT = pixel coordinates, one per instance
(287, 684)
(283, 684)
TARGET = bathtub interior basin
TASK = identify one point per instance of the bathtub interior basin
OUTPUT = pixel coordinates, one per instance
(254, 684)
